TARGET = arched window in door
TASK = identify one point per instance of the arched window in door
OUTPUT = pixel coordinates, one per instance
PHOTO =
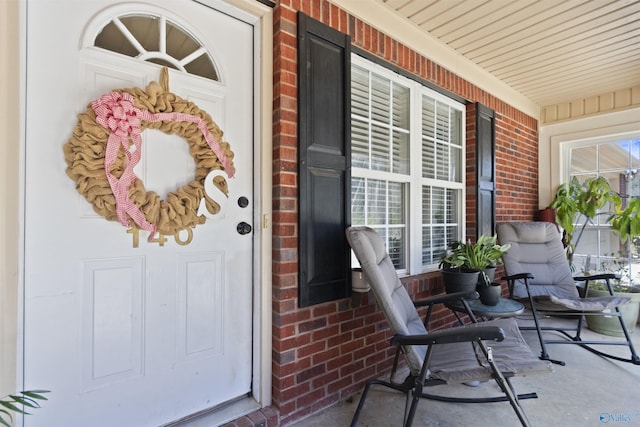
(156, 39)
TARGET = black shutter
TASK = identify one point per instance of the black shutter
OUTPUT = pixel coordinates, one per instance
(486, 170)
(324, 132)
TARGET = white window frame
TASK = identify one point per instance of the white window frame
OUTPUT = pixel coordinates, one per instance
(415, 180)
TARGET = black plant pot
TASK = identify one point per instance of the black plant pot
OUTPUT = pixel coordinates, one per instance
(459, 281)
(491, 274)
(490, 295)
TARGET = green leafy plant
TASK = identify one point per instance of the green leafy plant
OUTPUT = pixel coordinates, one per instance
(626, 222)
(483, 253)
(19, 403)
(574, 199)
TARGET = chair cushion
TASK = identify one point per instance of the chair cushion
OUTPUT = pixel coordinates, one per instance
(391, 295)
(536, 248)
(463, 362)
(594, 304)
(458, 362)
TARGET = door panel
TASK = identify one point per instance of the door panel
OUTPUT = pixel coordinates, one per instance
(112, 321)
(125, 334)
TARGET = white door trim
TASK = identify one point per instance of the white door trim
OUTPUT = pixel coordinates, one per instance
(263, 126)
(262, 152)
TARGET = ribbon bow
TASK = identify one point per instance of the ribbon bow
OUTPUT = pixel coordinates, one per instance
(116, 112)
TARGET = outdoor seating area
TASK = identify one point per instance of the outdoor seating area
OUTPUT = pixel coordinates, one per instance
(480, 352)
(588, 391)
(462, 361)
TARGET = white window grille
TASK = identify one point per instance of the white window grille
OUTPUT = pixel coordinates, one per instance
(618, 160)
(156, 39)
(407, 165)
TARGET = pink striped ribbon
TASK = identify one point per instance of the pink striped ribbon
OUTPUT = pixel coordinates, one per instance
(116, 112)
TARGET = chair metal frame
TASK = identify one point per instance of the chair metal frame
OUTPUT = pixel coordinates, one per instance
(572, 333)
(416, 382)
(413, 386)
(574, 337)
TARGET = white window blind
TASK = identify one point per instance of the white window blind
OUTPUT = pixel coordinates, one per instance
(407, 163)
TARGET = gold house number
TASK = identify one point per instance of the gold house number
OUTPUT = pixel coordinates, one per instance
(161, 239)
(213, 192)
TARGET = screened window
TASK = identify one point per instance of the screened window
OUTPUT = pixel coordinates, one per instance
(407, 162)
(618, 160)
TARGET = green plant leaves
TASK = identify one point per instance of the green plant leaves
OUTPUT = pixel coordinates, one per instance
(626, 221)
(485, 252)
(587, 198)
(19, 403)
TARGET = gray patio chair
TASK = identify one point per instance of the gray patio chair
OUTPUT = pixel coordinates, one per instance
(478, 352)
(539, 275)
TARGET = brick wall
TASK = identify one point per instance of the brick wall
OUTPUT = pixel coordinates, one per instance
(517, 167)
(323, 354)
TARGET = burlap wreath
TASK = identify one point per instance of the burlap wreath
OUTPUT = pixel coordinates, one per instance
(85, 157)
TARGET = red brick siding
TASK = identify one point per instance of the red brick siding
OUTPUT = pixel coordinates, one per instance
(517, 181)
(324, 353)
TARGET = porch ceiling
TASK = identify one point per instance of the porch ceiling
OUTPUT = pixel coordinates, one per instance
(550, 51)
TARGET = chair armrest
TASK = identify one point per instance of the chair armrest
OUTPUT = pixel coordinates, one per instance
(518, 276)
(595, 277)
(583, 290)
(439, 299)
(452, 335)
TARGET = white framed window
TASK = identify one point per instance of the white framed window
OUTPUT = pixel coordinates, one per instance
(617, 158)
(408, 153)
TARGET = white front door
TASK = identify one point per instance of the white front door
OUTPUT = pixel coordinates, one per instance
(122, 331)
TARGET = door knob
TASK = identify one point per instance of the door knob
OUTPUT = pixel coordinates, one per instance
(243, 228)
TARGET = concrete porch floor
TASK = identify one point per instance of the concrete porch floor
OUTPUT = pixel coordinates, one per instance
(588, 391)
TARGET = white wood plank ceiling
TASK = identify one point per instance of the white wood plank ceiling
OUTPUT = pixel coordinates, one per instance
(551, 51)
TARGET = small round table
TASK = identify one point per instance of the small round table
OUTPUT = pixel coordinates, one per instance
(505, 308)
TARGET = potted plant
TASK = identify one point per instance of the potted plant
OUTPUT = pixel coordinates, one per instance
(485, 254)
(622, 285)
(455, 275)
(627, 224)
(478, 260)
(575, 199)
